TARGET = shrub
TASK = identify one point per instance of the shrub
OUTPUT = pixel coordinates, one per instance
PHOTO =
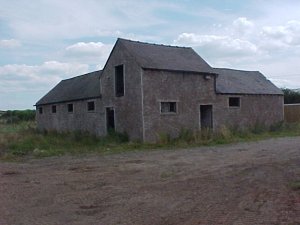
(16, 116)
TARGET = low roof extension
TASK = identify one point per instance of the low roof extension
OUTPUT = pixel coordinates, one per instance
(231, 81)
(77, 88)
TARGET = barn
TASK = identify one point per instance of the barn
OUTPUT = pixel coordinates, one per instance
(148, 89)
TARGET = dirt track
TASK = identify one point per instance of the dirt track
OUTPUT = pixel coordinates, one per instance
(243, 184)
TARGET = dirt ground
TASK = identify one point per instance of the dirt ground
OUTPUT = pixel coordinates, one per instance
(246, 183)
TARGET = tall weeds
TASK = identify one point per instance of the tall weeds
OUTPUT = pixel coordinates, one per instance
(18, 140)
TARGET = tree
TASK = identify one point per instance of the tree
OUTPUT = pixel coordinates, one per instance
(291, 96)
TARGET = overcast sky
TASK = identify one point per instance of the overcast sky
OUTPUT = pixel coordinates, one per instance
(42, 42)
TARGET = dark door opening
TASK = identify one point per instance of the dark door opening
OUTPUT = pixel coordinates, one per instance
(110, 119)
(206, 117)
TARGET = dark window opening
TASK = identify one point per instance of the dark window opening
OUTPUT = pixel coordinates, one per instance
(168, 107)
(70, 108)
(40, 110)
(119, 80)
(91, 106)
(234, 102)
(54, 109)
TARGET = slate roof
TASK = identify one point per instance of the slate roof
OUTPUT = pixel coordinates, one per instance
(231, 81)
(86, 86)
(165, 57)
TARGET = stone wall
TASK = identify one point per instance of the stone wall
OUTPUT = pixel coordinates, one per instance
(80, 119)
(189, 90)
(128, 108)
(254, 110)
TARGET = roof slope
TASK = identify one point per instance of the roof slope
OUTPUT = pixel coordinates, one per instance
(154, 56)
(231, 81)
(81, 87)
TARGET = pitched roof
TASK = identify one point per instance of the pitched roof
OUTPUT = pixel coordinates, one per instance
(231, 81)
(165, 57)
(81, 87)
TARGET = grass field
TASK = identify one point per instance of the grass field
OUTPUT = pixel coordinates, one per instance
(22, 139)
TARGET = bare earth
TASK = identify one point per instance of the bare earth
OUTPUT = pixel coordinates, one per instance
(247, 183)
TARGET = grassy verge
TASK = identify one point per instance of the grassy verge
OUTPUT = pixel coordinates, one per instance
(20, 140)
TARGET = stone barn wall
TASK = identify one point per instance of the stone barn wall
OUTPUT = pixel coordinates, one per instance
(188, 90)
(128, 108)
(79, 120)
(254, 110)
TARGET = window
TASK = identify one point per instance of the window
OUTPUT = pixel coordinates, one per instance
(91, 106)
(234, 102)
(40, 110)
(119, 80)
(54, 109)
(168, 107)
(70, 108)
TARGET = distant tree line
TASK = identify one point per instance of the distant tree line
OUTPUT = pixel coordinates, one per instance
(15, 116)
(291, 96)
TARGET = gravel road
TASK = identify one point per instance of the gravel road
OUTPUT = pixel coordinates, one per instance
(245, 183)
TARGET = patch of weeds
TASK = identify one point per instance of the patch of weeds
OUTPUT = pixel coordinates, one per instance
(28, 141)
(164, 138)
(277, 127)
(20, 140)
(167, 174)
(185, 135)
(117, 137)
(259, 128)
(295, 185)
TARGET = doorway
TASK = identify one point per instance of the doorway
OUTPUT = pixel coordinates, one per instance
(110, 119)
(206, 117)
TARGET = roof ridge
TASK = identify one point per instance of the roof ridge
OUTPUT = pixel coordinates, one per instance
(237, 69)
(147, 43)
(81, 75)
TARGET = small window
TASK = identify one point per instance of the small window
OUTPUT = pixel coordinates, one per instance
(168, 107)
(119, 80)
(234, 102)
(54, 109)
(40, 110)
(70, 108)
(91, 106)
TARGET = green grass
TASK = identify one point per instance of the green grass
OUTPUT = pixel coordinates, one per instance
(21, 139)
